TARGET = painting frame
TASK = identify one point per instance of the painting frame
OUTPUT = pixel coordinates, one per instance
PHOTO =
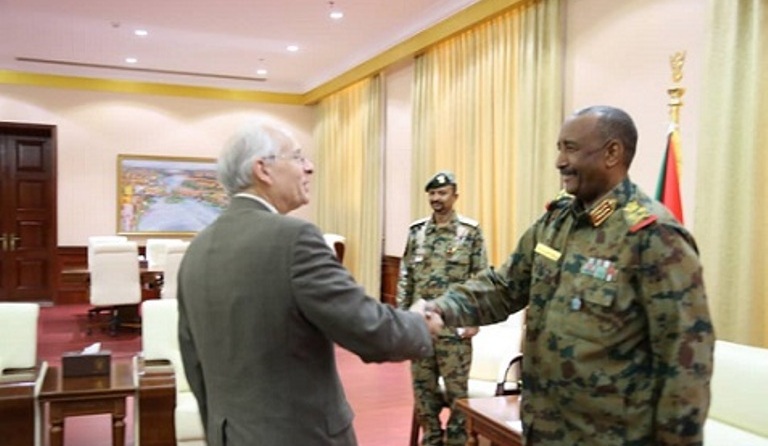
(167, 195)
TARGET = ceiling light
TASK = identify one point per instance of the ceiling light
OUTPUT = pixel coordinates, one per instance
(141, 32)
(261, 72)
(335, 14)
(131, 60)
(292, 48)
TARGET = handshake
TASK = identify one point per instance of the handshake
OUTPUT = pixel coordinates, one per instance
(431, 315)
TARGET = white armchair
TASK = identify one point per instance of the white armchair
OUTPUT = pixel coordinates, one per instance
(20, 374)
(160, 348)
(172, 263)
(337, 243)
(494, 348)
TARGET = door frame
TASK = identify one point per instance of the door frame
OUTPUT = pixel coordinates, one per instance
(47, 131)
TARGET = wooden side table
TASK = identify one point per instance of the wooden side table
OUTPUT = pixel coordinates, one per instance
(156, 401)
(91, 395)
(496, 418)
(17, 405)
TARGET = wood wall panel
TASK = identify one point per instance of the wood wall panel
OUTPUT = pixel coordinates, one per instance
(390, 269)
(73, 286)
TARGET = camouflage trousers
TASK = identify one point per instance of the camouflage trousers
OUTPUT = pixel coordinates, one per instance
(452, 359)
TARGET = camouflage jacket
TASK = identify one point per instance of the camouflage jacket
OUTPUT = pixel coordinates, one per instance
(619, 341)
(436, 257)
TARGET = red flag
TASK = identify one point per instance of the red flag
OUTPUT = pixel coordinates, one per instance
(668, 187)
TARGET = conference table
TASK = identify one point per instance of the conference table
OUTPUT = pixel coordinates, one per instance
(495, 418)
(151, 280)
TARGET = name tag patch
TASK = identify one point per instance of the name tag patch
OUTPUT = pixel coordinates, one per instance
(548, 252)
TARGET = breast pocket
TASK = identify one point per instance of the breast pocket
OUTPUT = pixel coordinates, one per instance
(590, 309)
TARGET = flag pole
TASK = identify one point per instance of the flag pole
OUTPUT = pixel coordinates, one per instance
(668, 187)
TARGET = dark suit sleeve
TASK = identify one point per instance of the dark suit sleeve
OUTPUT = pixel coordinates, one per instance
(192, 368)
(330, 299)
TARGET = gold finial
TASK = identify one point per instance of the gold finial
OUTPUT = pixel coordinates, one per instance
(676, 92)
(676, 61)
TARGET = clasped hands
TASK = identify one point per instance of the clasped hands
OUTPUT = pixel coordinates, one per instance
(431, 315)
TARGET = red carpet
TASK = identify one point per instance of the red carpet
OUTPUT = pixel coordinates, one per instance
(63, 328)
(380, 394)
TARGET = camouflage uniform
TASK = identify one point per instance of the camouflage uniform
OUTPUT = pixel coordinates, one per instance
(434, 258)
(619, 342)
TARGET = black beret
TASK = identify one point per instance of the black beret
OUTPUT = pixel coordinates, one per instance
(442, 178)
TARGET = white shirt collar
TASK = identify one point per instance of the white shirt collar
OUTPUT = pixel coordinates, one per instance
(259, 199)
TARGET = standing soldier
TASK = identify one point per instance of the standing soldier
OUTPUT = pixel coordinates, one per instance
(442, 249)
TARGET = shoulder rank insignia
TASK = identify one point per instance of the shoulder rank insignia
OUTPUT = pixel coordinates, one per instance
(601, 211)
(419, 222)
(468, 221)
(561, 199)
(637, 216)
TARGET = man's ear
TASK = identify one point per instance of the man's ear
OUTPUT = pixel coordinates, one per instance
(262, 171)
(614, 153)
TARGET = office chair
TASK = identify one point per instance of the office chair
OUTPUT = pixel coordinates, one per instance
(96, 239)
(156, 251)
(170, 274)
(115, 280)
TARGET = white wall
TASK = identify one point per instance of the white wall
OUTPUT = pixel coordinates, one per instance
(94, 127)
(617, 53)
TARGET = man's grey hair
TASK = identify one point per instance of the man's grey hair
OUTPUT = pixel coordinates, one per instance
(253, 141)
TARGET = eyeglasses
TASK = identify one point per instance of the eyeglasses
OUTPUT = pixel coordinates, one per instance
(297, 157)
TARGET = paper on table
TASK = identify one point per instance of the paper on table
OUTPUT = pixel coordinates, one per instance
(93, 348)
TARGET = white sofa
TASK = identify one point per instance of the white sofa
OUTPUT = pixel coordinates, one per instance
(738, 413)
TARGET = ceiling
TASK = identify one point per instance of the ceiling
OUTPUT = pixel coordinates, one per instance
(209, 43)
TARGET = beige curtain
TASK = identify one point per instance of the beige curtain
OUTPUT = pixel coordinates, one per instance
(731, 214)
(488, 105)
(348, 176)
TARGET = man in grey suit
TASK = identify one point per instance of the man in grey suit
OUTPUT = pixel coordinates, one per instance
(262, 300)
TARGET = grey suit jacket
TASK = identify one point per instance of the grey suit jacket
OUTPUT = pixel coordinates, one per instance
(262, 299)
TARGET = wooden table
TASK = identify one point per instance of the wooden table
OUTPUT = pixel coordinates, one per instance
(17, 405)
(90, 395)
(496, 418)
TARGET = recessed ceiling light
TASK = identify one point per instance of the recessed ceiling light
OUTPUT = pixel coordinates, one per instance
(141, 32)
(335, 14)
(131, 60)
(261, 72)
(292, 48)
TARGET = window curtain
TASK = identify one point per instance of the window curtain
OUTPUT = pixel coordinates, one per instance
(348, 176)
(488, 106)
(731, 212)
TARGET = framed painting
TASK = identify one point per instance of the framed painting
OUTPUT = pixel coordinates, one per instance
(160, 195)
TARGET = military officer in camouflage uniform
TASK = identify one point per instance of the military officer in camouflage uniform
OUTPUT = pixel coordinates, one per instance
(619, 341)
(442, 249)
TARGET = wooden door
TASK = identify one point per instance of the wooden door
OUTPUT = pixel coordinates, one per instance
(27, 212)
